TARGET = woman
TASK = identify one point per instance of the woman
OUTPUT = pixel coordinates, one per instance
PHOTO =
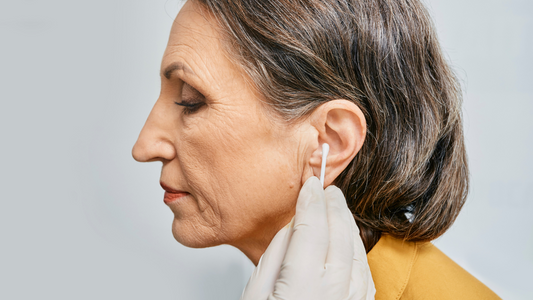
(252, 89)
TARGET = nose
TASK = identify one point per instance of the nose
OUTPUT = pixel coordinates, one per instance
(155, 142)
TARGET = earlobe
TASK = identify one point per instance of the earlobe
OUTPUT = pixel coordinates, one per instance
(342, 125)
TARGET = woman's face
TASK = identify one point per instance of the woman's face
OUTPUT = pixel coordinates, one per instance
(238, 166)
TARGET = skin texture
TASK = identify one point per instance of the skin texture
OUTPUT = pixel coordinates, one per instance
(241, 167)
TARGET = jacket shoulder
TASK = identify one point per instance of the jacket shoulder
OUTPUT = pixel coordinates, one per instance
(413, 271)
(435, 276)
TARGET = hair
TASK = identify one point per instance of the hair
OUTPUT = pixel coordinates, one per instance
(410, 178)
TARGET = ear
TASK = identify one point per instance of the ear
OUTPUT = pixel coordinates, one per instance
(342, 125)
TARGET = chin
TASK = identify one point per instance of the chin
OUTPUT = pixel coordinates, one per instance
(193, 236)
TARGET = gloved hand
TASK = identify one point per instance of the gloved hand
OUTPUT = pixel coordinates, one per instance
(318, 255)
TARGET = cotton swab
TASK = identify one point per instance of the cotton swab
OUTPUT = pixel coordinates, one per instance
(325, 151)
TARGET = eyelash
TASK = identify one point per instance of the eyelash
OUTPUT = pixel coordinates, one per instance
(190, 108)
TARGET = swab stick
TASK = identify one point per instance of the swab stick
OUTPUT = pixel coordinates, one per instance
(325, 151)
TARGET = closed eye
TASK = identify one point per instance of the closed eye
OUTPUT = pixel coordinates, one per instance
(194, 100)
(190, 107)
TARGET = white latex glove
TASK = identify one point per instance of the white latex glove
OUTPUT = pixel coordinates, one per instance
(319, 255)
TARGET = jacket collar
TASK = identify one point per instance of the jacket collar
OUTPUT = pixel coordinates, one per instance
(391, 261)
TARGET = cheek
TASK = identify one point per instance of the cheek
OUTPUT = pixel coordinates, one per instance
(243, 174)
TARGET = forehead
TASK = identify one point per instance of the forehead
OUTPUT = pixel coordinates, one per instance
(196, 46)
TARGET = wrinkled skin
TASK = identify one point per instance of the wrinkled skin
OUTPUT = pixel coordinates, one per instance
(243, 169)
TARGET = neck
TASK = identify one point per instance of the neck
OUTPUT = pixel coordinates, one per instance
(255, 245)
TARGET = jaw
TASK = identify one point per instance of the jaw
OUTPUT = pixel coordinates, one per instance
(254, 245)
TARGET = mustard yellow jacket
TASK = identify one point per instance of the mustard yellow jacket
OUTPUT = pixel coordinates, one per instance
(416, 271)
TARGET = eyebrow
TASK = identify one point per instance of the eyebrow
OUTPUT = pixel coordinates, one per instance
(176, 66)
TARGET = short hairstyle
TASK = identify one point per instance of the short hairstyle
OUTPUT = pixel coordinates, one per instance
(410, 178)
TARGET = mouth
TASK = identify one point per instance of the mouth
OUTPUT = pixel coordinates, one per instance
(172, 195)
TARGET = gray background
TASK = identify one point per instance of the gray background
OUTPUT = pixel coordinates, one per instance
(80, 219)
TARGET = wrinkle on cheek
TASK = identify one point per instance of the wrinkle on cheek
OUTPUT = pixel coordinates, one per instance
(200, 179)
(202, 204)
(211, 218)
(202, 229)
(219, 187)
(210, 209)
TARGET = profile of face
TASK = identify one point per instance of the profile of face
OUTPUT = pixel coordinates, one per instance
(238, 169)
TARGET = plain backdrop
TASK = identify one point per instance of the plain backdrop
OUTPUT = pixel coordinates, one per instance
(80, 219)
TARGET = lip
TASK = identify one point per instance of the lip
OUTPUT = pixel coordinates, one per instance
(172, 195)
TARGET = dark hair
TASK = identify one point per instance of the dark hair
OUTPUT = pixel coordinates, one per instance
(410, 178)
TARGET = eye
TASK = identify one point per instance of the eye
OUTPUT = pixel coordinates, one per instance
(189, 108)
(192, 100)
